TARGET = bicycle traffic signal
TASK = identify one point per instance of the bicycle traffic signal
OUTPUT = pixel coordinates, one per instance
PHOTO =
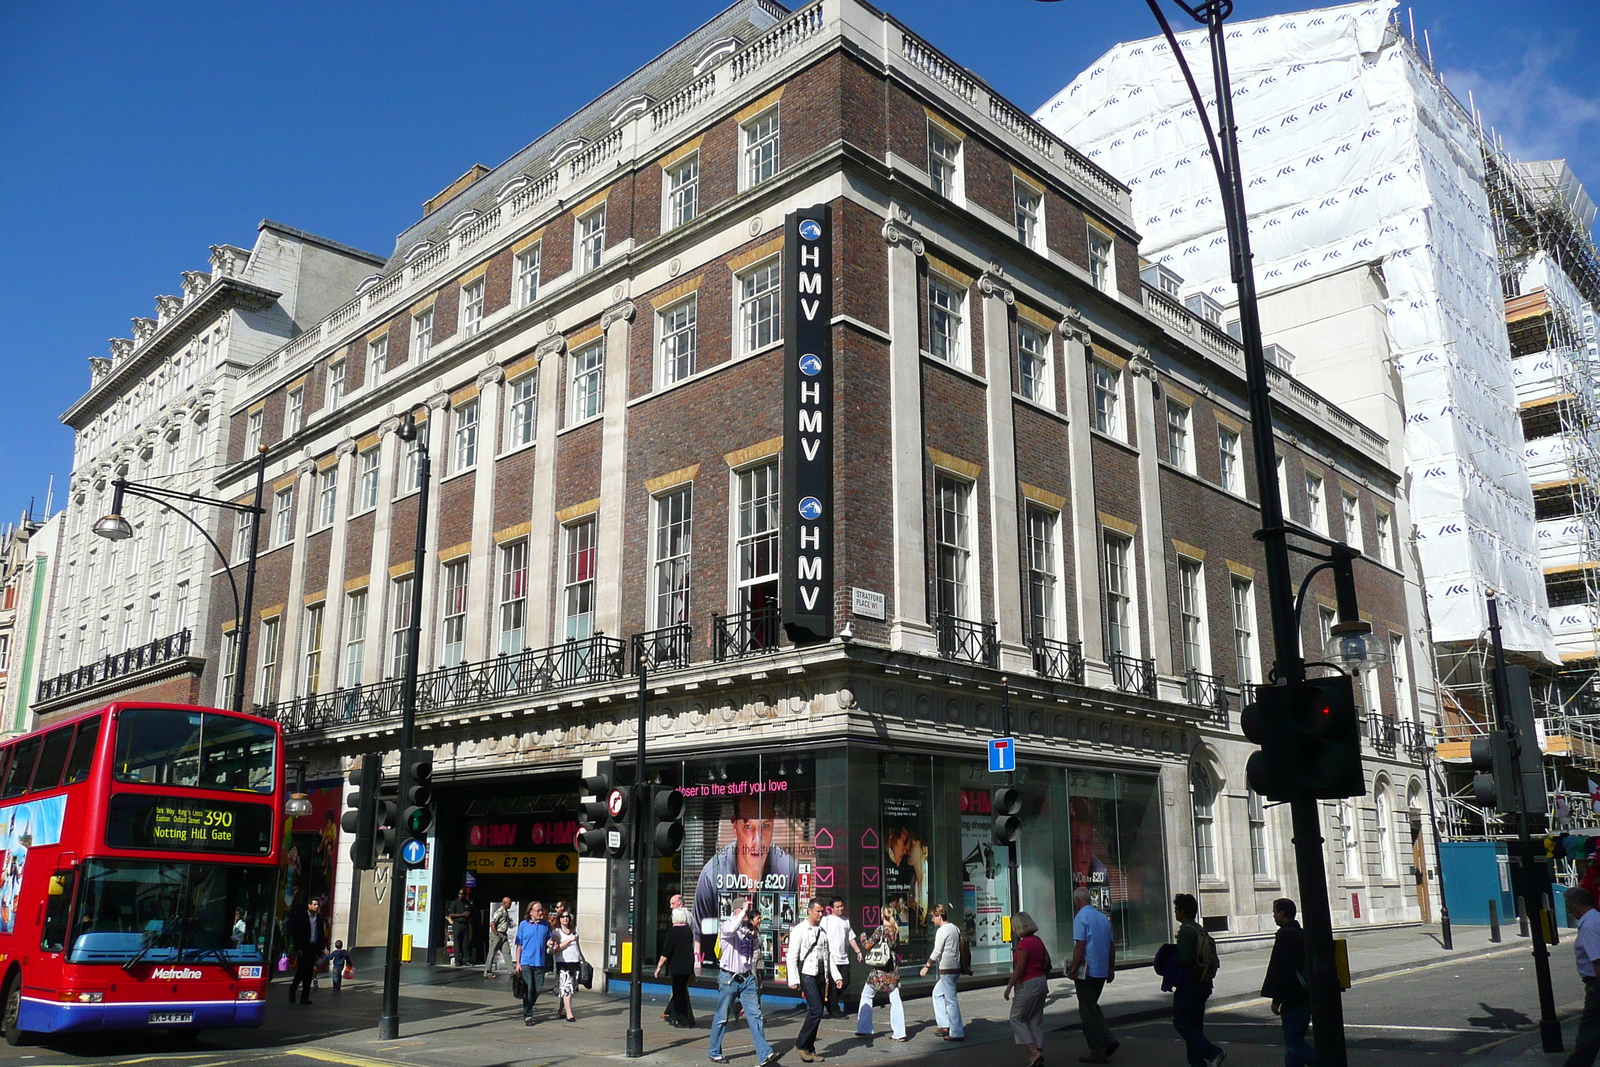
(361, 820)
(667, 806)
(416, 800)
(1005, 802)
(1310, 740)
(603, 819)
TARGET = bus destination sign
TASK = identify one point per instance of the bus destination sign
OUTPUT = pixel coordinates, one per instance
(188, 824)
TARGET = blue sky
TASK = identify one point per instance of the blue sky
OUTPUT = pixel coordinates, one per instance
(136, 135)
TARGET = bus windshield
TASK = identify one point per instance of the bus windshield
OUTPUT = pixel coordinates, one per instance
(201, 750)
(161, 912)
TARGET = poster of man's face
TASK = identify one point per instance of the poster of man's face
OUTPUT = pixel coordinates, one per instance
(755, 847)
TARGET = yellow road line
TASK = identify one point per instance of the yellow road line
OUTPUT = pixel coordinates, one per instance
(344, 1058)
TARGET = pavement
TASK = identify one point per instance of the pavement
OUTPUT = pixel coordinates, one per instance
(1411, 1003)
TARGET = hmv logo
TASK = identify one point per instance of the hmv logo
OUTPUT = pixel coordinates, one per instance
(806, 592)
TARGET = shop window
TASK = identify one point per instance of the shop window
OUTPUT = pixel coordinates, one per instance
(1117, 855)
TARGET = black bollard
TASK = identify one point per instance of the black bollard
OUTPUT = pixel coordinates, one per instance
(1494, 921)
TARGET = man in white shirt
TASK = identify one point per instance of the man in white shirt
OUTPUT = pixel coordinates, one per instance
(810, 965)
(1586, 950)
(840, 938)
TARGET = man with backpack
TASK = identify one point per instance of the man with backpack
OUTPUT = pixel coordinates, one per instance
(1196, 968)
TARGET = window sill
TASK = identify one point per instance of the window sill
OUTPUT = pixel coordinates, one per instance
(580, 425)
(947, 365)
(519, 448)
(1040, 407)
(459, 474)
(1113, 439)
(1213, 885)
(700, 375)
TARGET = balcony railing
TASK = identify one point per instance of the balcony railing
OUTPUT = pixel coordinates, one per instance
(963, 639)
(1414, 739)
(665, 649)
(1133, 675)
(1208, 691)
(134, 660)
(1061, 660)
(745, 633)
(526, 673)
(1383, 732)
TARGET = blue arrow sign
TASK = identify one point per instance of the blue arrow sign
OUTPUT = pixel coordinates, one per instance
(1002, 755)
(414, 851)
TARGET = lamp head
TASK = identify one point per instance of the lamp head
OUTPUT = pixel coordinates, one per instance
(408, 429)
(113, 527)
(297, 806)
(1356, 648)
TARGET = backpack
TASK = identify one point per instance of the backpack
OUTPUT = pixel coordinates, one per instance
(1207, 963)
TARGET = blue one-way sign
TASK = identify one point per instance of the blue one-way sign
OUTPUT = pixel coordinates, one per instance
(414, 851)
(1002, 755)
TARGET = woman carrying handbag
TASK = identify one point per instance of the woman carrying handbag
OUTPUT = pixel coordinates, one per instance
(564, 946)
(883, 976)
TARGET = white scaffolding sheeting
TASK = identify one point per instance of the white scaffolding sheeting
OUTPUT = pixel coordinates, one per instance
(1352, 154)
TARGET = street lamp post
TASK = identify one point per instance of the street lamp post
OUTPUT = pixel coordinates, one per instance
(115, 527)
(389, 1017)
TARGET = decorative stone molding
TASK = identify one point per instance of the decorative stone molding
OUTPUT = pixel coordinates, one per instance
(492, 376)
(1140, 365)
(439, 401)
(631, 107)
(99, 367)
(990, 285)
(388, 426)
(305, 468)
(167, 307)
(347, 447)
(897, 229)
(512, 187)
(222, 328)
(142, 329)
(1074, 327)
(121, 347)
(195, 282)
(623, 311)
(555, 345)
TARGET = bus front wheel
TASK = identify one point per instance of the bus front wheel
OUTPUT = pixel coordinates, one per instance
(14, 1033)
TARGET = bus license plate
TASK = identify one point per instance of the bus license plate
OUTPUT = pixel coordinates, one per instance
(168, 1018)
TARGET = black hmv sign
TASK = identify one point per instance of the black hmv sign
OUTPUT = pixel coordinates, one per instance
(807, 501)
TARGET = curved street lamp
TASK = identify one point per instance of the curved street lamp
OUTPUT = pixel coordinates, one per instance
(114, 526)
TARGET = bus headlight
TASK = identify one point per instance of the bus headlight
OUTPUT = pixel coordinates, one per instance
(71, 996)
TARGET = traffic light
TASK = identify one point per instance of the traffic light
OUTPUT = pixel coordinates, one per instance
(604, 829)
(1494, 786)
(416, 800)
(1310, 738)
(1005, 803)
(386, 833)
(1265, 721)
(667, 806)
(361, 820)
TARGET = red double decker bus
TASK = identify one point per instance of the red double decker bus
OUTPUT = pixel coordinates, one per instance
(139, 849)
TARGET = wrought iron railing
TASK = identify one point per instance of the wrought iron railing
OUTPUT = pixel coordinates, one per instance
(665, 649)
(1383, 732)
(1132, 674)
(1414, 739)
(1247, 693)
(745, 633)
(1207, 691)
(161, 650)
(963, 639)
(526, 673)
(1061, 660)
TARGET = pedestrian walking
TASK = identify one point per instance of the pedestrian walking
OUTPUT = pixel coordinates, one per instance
(1093, 964)
(337, 961)
(1285, 985)
(677, 956)
(1195, 967)
(533, 955)
(883, 976)
(502, 917)
(1586, 951)
(458, 913)
(307, 934)
(1030, 966)
(945, 959)
(811, 967)
(564, 947)
(737, 979)
(841, 942)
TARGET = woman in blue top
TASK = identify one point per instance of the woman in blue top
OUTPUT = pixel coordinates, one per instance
(533, 948)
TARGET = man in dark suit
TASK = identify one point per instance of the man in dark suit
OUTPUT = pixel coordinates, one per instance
(308, 933)
(1285, 985)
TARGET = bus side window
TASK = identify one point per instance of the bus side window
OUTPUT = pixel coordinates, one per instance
(54, 936)
(83, 751)
(52, 758)
(21, 769)
(5, 760)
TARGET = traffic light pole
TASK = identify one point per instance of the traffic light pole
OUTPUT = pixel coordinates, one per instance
(1549, 1025)
(1327, 1011)
(389, 1018)
(641, 860)
(1011, 779)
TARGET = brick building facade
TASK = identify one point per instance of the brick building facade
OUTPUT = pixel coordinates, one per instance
(1042, 512)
